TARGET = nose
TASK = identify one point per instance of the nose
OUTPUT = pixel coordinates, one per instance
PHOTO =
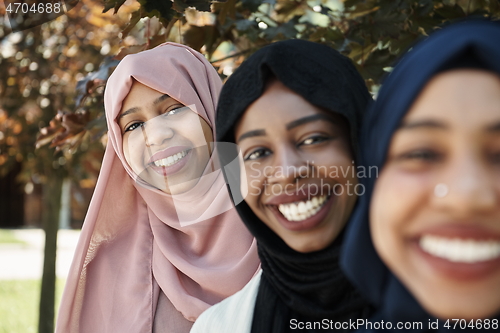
(156, 132)
(471, 189)
(288, 166)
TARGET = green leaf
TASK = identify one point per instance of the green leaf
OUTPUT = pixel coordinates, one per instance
(108, 4)
(425, 7)
(116, 4)
(387, 25)
(245, 25)
(451, 12)
(328, 34)
(360, 53)
(400, 45)
(373, 67)
(248, 28)
(286, 30)
(158, 8)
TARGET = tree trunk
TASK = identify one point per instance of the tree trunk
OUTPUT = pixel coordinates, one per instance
(50, 220)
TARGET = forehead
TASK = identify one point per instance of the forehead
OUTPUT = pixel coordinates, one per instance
(465, 97)
(275, 108)
(140, 94)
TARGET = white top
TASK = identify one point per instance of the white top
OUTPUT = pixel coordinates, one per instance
(232, 315)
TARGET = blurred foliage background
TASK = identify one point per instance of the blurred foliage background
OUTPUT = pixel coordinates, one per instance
(53, 75)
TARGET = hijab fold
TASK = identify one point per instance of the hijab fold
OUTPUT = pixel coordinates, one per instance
(471, 44)
(132, 248)
(294, 285)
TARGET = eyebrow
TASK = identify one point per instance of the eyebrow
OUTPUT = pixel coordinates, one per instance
(135, 109)
(129, 111)
(289, 126)
(422, 124)
(161, 99)
(251, 134)
(308, 119)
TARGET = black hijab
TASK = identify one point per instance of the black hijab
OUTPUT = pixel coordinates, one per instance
(474, 44)
(294, 285)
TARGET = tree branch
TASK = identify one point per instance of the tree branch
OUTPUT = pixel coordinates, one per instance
(231, 56)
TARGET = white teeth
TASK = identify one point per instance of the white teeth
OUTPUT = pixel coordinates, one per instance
(302, 210)
(302, 207)
(171, 160)
(460, 250)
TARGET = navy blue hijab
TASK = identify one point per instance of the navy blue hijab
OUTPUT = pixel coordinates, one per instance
(475, 44)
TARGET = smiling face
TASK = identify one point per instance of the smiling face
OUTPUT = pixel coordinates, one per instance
(294, 154)
(435, 211)
(164, 142)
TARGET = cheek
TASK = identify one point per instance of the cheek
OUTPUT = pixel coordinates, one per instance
(193, 128)
(253, 181)
(133, 150)
(398, 199)
(334, 159)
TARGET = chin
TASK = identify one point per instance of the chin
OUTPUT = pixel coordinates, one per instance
(304, 248)
(308, 245)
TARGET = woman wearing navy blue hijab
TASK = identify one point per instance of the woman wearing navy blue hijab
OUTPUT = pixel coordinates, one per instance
(424, 242)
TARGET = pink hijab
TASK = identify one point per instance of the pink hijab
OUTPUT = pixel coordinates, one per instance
(132, 246)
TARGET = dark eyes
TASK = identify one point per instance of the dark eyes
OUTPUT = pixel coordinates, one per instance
(314, 140)
(421, 156)
(428, 157)
(262, 152)
(174, 111)
(134, 126)
(424, 155)
(138, 124)
(258, 153)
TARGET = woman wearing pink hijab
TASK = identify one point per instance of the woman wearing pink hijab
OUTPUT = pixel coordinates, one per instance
(161, 241)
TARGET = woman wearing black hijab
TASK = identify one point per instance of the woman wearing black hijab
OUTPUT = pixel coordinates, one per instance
(293, 108)
(424, 242)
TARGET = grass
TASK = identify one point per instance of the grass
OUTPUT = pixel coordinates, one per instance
(19, 301)
(8, 237)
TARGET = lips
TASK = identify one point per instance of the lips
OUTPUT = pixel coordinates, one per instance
(300, 211)
(460, 251)
(166, 153)
(170, 160)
